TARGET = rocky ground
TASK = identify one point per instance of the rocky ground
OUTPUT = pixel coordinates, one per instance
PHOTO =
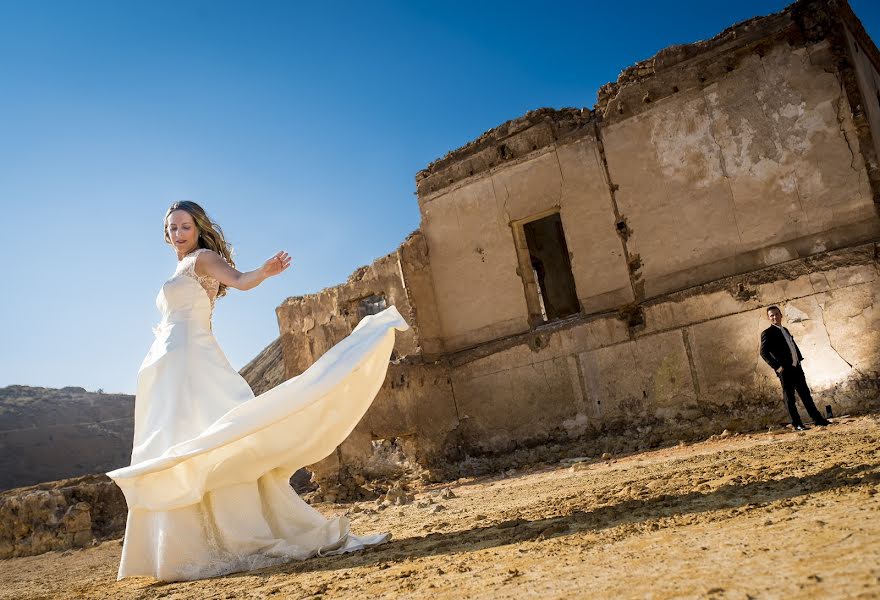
(770, 515)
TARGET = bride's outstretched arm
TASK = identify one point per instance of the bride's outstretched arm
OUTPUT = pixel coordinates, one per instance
(213, 265)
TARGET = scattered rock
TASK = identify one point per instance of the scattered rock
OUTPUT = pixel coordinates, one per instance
(447, 493)
(510, 523)
(397, 496)
(511, 573)
(56, 515)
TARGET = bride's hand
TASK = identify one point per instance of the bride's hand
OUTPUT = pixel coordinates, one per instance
(275, 265)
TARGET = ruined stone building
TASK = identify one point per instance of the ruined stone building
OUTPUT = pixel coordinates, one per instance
(579, 273)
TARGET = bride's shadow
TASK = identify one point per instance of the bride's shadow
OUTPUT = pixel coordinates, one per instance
(632, 511)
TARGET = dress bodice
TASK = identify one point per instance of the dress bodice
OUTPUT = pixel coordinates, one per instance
(186, 296)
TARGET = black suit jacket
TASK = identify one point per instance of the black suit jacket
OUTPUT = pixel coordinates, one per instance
(775, 350)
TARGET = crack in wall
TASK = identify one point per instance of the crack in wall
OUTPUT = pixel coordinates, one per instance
(842, 107)
(559, 166)
(777, 142)
(797, 193)
(723, 171)
(692, 365)
(495, 195)
(454, 401)
(848, 32)
(636, 284)
(587, 401)
(520, 366)
(828, 333)
(761, 102)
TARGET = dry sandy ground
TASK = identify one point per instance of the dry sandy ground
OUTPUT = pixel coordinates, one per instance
(771, 515)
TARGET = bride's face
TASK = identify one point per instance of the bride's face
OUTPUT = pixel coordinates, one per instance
(182, 231)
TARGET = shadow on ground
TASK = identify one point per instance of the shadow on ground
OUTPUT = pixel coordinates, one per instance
(638, 512)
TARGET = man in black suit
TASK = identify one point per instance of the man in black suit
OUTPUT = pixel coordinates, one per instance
(779, 350)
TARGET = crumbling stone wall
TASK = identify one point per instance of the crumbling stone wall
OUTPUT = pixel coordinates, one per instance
(310, 325)
(71, 513)
(692, 370)
(709, 181)
(760, 166)
(416, 397)
(415, 411)
(705, 161)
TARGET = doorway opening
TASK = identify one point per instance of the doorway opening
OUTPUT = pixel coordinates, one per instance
(545, 267)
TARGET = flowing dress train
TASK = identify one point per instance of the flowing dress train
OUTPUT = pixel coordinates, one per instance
(208, 488)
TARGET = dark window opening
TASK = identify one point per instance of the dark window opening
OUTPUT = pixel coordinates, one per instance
(551, 268)
(371, 305)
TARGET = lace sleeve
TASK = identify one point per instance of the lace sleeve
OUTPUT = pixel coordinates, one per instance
(210, 284)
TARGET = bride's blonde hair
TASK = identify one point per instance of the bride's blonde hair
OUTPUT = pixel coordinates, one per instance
(210, 233)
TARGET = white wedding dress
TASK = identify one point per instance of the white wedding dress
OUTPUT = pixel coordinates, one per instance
(207, 489)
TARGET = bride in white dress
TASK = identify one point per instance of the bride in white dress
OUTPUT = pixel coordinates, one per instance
(208, 488)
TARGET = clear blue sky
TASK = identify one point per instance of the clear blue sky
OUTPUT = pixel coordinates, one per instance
(299, 126)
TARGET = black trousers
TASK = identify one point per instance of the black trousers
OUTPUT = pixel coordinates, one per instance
(792, 379)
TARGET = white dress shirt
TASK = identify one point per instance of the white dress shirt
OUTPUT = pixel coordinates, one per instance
(791, 346)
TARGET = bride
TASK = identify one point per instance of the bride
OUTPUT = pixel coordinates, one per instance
(208, 488)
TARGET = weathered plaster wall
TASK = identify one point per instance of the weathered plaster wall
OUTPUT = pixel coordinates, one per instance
(695, 367)
(598, 262)
(759, 167)
(479, 295)
(708, 160)
(478, 289)
(415, 271)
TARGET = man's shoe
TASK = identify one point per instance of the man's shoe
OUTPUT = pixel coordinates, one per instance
(822, 423)
(800, 427)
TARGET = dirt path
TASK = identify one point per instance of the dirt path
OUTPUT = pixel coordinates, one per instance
(785, 515)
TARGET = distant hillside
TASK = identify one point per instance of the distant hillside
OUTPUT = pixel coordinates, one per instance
(266, 370)
(48, 434)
